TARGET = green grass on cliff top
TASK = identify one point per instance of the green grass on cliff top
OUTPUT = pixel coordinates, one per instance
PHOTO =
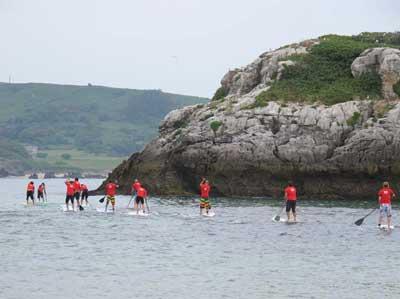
(324, 75)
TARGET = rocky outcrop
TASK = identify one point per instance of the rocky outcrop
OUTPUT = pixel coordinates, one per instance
(328, 151)
(264, 70)
(332, 151)
(384, 61)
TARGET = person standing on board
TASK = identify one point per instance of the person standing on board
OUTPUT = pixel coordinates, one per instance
(385, 196)
(70, 194)
(135, 186)
(41, 191)
(30, 192)
(77, 191)
(141, 196)
(85, 194)
(291, 198)
(205, 189)
(111, 189)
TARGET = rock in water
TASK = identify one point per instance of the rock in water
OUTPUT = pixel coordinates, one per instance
(337, 151)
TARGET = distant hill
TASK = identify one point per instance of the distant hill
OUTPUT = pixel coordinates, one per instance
(94, 119)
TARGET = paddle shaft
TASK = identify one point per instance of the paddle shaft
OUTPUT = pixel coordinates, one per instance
(283, 207)
(134, 195)
(369, 213)
(361, 220)
(147, 205)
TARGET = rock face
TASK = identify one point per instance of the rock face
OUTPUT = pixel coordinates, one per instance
(264, 70)
(386, 62)
(338, 151)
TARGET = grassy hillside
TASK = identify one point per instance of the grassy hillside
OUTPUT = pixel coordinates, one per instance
(92, 119)
(324, 75)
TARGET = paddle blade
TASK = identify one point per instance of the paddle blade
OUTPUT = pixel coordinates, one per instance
(277, 218)
(81, 208)
(359, 221)
(102, 199)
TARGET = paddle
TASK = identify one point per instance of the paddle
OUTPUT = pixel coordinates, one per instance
(361, 220)
(102, 199)
(133, 195)
(278, 216)
(147, 205)
(81, 208)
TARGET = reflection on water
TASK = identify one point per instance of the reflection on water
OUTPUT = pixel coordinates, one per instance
(174, 253)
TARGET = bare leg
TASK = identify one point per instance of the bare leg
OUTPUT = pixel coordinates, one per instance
(294, 217)
(389, 221)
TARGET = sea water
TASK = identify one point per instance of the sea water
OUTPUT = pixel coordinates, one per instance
(175, 253)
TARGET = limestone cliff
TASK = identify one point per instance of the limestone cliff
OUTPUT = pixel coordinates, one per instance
(251, 148)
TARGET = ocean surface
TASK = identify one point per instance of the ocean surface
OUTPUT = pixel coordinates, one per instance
(175, 253)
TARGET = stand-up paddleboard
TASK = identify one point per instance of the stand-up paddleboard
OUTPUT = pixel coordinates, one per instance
(209, 214)
(85, 205)
(103, 210)
(385, 227)
(138, 213)
(281, 220)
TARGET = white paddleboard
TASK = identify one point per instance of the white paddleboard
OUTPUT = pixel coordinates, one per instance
(209, 214)
(282, 220)
(138, 213)
(103, 210)
(385, 226)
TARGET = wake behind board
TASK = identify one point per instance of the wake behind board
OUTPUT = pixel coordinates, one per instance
(103, 210)
(385, 227)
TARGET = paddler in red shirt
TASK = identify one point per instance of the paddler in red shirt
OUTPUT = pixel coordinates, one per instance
(141, 197)
(85, 194)
(135, 186)
(30, 192)
(111, 190)
(385, 196)
(41, 192)
(291, 198)
(205, 189)
(77, 192)
(70, 194)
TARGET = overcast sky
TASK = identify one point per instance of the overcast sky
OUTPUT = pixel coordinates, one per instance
(181, 46)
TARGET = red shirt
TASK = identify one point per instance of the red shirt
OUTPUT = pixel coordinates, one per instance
(31, 187)
(141, 192)
(40, 189)
(385, 196)
(84, 187)
(111, 189)
(290, 193)
(77, 186)
(136, 186)
(70, 188)
(204, 190)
